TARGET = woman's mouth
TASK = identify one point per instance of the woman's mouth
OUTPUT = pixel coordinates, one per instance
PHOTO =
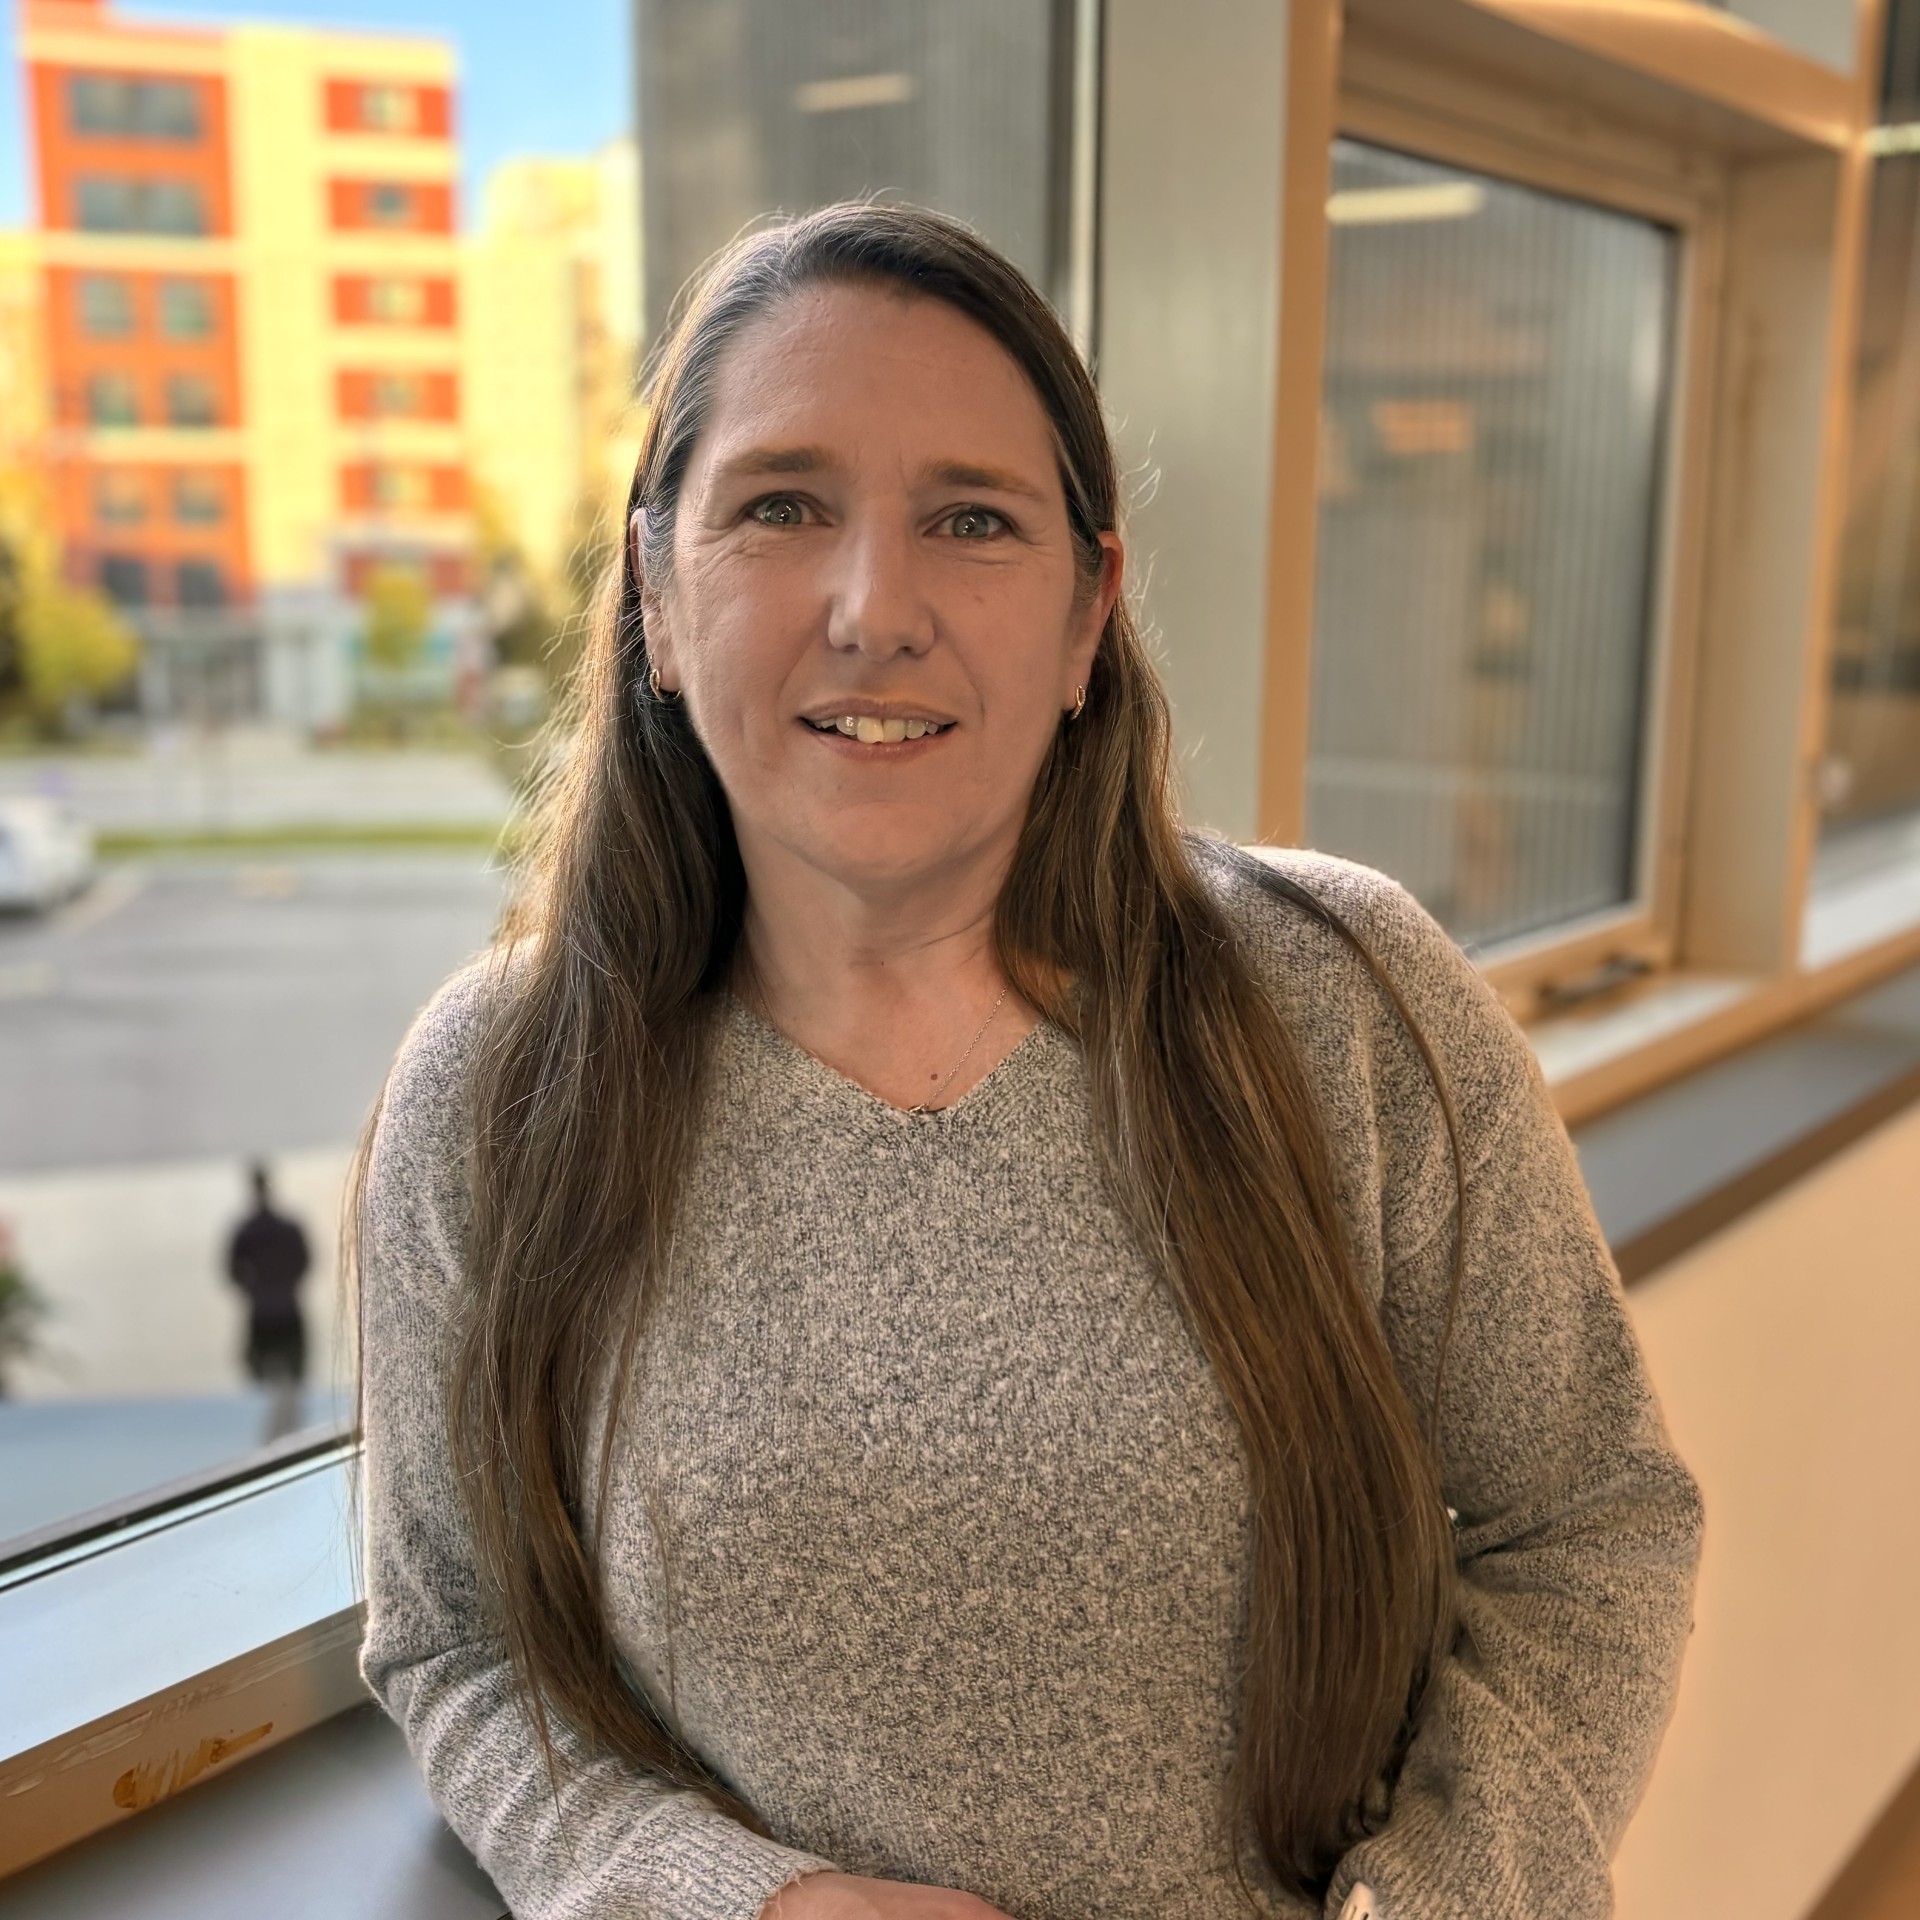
(874, 729)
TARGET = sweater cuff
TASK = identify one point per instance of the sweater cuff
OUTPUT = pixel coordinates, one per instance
(730, 1882)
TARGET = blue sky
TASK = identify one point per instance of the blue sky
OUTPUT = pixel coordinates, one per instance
(553, 76)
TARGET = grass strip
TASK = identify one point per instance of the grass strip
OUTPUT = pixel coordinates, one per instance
(327, 837)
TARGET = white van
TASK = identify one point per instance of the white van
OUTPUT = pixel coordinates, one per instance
(46, 855)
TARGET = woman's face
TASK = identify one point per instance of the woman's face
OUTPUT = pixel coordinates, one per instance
(874, 613)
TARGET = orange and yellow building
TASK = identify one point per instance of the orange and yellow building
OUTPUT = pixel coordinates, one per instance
(252, 322)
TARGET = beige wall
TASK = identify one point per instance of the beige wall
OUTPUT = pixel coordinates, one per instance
(1786, 1352)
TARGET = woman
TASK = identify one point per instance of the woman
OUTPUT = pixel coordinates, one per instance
(933, 1347)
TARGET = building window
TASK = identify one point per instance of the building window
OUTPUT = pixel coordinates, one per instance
(198, 500)
(112, 400)
(123, 579)
(1497, 366)
(113, 205)
(400, 303)
(119, 499)
(199, 583)
(186, 309)
(192, 401)
(388, 109)
(1872, 767)
(106, 306)
(128, 109)
(390, 204)
(960, 108)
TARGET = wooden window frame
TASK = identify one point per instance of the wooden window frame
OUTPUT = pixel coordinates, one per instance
(1637, 107)
(1414, 107)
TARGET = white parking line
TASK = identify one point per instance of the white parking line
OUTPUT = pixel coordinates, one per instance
(105, 897)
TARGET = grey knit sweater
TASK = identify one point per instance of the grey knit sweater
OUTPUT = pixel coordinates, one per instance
(957, 1519)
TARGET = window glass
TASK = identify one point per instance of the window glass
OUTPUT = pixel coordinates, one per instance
(389, 204)
(389, 109)
(134, 109)
(106, 204)
(112, 400)
(186, 309)
(1497, 364)
(123, 579)
(399, 395)
(197, 499)
(198, 583)
(119, 499)
(748, 105)
(106, 306)
(399, 302)
(192, 401)
(1865, 884)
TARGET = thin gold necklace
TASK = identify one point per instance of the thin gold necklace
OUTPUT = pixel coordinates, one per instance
(932, 1103)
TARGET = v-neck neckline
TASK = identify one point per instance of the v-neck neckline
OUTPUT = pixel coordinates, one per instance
(979, 1099)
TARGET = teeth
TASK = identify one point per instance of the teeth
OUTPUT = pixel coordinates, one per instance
(873, 731)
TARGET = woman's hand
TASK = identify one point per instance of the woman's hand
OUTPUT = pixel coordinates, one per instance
(843, 1896)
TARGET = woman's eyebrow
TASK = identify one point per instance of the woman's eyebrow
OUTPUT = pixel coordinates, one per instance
(759, 460)
(961, 473)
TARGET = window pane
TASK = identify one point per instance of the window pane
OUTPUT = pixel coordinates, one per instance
(109, 205)
(119, 499)
(106, 306)
(748, 105)
(191, 401)
(127, 109)
(197, 499)
(112, 401)
(1497, 363)
(186, 309)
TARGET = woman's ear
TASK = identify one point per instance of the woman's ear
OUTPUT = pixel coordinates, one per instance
(1093, 611)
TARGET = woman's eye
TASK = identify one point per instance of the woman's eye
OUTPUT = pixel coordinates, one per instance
(779, 510)
(975, 523)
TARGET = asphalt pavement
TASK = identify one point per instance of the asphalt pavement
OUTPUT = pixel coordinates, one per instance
(195, 1008)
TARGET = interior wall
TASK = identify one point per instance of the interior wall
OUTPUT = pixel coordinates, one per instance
(1189, 311)
(1784, 1351)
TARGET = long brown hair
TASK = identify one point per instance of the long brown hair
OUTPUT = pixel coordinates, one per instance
(588, 1081)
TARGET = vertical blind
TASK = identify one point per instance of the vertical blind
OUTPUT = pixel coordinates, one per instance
(1497, 368)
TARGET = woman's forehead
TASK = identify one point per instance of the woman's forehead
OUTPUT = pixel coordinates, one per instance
(847, 371)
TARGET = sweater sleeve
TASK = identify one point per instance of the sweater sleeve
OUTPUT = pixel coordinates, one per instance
(1577, 1529)
(607, 1839)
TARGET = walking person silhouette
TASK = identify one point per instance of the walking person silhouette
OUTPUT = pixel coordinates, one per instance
(267, 1260)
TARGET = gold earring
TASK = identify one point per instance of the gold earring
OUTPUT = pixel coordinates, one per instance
(667, 697)
(1079, 703)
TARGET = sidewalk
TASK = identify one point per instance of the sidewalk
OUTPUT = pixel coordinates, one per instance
(176, 1326)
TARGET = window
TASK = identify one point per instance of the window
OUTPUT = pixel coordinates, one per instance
(112, 400)
(1497, 365)
(390, 205)
(112, 205)
(397, 395)
(198, 500)
(191, 401)
(130, 109)
(119, 499)
(198, 583)
(123, 579)
(106, 306)
(399, 302)
(186, 309)
(389, 109)
(959, 108)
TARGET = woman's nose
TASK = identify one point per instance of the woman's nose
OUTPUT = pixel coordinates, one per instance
(878, 604)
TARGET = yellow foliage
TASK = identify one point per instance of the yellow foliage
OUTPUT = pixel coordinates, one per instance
(73, 645)
(399, 617)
